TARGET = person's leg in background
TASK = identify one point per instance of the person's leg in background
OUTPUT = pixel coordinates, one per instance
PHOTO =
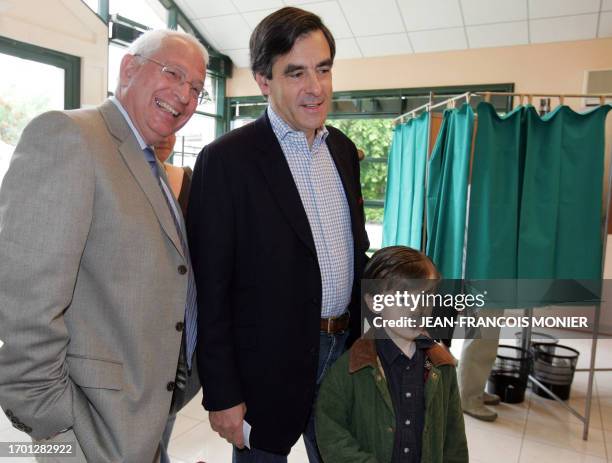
(475, 363)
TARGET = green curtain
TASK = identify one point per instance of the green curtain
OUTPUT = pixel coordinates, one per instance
(404, 201)
(494, 195)
(560, 227)
(535, 206)
(447, 191)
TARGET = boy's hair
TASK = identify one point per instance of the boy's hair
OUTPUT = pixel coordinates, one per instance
(400, 263)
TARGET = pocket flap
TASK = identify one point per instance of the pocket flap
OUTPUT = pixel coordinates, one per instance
(88, 372)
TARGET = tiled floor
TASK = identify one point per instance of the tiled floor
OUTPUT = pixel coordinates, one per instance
(536, 431)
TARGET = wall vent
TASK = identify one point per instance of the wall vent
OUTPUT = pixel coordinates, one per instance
(597, 81)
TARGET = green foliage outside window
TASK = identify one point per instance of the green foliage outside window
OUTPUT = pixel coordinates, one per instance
(373, 136)
(15, 115)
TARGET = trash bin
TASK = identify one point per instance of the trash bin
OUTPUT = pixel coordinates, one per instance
(509, 374)
(554, 368)
(546, 340)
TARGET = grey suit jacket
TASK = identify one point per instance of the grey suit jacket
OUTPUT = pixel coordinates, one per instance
(92, 286)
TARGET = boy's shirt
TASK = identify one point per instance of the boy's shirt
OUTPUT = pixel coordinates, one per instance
(406, 382)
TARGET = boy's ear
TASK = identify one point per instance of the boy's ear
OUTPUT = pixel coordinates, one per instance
(369, 301)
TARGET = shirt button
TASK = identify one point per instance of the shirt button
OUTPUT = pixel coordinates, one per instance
(407, 422)
(408, 394)
(182, 270)
(170, 386)
(406, 450)
(180, 326)
(408, 367)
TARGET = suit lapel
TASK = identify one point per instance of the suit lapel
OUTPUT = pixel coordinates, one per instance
(140, 170)
(276, 171)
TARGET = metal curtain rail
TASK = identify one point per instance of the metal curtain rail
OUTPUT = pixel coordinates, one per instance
(429, 106)
(487, 97)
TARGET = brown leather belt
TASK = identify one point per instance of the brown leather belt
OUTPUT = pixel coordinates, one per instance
(335, 325)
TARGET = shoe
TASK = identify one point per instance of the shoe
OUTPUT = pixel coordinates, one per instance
(481, 413)
(490, 399)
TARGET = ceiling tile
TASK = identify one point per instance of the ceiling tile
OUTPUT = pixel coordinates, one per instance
(229, 32)
(606, 5)
(439, 14)
(332, 16)
(185, 7)
(250, 5)
(347, 49)
(493, 11)
(581, 27)
(208, 8)
(440, 40)
(240, 57)
(205, 33)
(553, 8)
(498, 35)
(381, 45)
(367, 17)
(299, 2)
(254, 17)
(605, 25)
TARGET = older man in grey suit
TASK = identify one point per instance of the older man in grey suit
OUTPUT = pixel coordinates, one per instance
(96, 291)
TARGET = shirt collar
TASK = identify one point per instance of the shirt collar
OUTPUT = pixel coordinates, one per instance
(127, 118)
(387, 349)
(281, 129)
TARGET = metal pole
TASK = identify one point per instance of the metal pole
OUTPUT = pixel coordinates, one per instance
(424, 224)
(604, 235)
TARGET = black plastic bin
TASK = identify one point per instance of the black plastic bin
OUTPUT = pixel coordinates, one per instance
(554, 368)
(509, 374)
(548, 341)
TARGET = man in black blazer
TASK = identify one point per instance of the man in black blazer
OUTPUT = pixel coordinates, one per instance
(278, 242)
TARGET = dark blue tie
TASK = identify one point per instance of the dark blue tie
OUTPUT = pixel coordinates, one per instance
(191, 308)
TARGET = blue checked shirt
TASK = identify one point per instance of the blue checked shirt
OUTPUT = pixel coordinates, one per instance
(324, 200)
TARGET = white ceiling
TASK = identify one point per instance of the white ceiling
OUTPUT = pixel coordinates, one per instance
(367, 28)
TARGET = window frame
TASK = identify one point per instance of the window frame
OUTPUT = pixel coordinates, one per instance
(69, 63)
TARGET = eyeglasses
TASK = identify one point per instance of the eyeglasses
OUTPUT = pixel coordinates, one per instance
(178, 77)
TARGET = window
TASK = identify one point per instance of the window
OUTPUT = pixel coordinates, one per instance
(34, 80)
(373, 137)
(198, 132)
(150, 13)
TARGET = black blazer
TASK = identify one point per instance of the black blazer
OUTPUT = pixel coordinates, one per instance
(258, 279)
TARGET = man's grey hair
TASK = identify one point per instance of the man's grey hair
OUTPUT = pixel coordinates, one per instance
(151, 41)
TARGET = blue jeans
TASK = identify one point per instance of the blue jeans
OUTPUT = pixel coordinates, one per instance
(331, 346)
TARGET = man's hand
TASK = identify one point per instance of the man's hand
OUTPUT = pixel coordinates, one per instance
(228, 423)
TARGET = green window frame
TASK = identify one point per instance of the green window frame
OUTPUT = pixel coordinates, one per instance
(69, 63)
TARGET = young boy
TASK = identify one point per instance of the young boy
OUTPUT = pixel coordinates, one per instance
(393, 398)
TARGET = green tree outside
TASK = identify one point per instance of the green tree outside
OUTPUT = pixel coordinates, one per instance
(373, 136)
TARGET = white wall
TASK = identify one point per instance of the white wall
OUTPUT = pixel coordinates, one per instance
(545, 68)
(67, 26)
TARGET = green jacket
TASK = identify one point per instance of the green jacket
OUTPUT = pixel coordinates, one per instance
(355, 422)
